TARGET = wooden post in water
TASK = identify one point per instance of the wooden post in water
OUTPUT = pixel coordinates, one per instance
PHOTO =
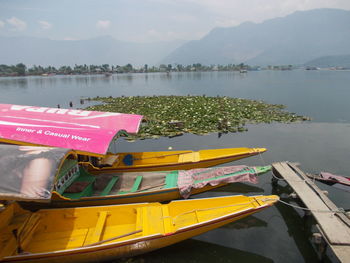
(332, 223)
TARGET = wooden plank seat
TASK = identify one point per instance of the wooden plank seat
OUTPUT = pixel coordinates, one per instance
(171, 179)
(189, 157)
(81, 187)
(21, 235)
(135, 186)
(98, 231)
(109, 186)
(109, 160)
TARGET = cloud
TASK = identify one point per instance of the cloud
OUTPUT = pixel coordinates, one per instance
(233, 12)
(103, 24)
(155, 35)
(44, 24)
(226, 22)
(183, 18)
(18, 24)
(2, 24)
(70, 38)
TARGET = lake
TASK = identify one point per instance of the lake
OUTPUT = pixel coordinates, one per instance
(277, 234)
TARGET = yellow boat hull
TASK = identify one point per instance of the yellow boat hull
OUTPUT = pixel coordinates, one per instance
(110, 232)
(175, 160)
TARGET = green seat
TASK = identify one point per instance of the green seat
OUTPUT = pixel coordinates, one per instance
(88, 190)
(135, 187)
(171, 179)
(109, 186)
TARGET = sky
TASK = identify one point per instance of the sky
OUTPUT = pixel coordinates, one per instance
(141, 20)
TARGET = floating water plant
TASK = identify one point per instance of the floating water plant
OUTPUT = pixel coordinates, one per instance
(175, 115)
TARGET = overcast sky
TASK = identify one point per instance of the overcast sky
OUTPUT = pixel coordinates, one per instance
(141, 20)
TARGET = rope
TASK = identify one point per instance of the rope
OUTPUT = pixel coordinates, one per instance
(340, 210)
(262, 159)
(275, 176)
(313, 179)
(282, 179)
(113, 238)
(278, 178)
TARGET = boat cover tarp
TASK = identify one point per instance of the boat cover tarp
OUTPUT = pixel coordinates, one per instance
(335, 178)
(198, 178)
(86, 131)
(28, 172)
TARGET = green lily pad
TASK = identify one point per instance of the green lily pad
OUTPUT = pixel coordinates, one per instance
(175, 115)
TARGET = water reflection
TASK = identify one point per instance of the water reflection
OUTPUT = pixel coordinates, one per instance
(321, 95)
(199, 251)
(279, 233)
(299, 227)
(239, 188)
(247, 222)
(14, 82)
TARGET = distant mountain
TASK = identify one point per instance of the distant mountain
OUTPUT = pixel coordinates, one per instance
(100, 50)
(330, 61)
(294, 39)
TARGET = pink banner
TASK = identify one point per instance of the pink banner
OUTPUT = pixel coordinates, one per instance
(88, 131)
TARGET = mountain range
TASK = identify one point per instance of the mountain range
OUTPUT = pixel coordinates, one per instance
(98, 51)
(330, 62)
(294, 39)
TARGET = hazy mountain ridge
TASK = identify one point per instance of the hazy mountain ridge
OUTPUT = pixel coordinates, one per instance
(99, 50)
(294, 39)
(330, 61)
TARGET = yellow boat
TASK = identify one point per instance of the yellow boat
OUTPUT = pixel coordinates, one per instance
(167, 160)
(109, 232)
(90, 134)
(123, 188)
(45, 177)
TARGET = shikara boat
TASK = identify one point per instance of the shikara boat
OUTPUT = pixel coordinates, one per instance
(168, 160)
(90, 134)
(338, 181)
(122, 188)
(108, 232)
(37, 174)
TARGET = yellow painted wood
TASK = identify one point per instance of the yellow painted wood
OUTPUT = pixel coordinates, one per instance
(167, 223)
(138, 224)
(176, 160)
(96, 236)
(28, 229)
(68, 235)
(189, 157)
(57, 240)
(22, 226)
(6, 216)
(145, 223)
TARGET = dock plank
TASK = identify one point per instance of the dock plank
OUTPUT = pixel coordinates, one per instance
(321, 194)
(334, 229)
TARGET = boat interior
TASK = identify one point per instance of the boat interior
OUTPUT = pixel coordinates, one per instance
(75, 182)
(54, 230)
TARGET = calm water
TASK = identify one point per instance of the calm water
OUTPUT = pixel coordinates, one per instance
(278, 234)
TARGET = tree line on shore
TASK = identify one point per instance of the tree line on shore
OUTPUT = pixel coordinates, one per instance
(37, 70)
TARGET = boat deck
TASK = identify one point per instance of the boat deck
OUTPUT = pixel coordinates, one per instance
(332, 222)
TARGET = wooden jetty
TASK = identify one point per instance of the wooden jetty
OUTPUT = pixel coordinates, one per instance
(333, 223)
